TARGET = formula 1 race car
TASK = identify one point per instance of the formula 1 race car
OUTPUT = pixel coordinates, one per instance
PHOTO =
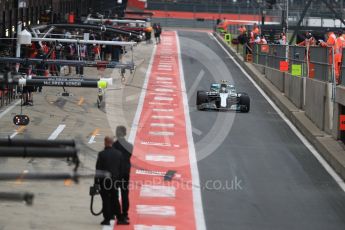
(223, 96)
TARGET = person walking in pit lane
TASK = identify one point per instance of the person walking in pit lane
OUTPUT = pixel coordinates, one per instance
(110, 160)
(126, 149)
(157, 32)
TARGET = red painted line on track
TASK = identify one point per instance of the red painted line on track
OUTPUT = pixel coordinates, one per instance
(165, 74)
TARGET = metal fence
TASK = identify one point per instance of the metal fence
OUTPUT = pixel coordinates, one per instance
(320, 66)
(315, 63)
(342, 76)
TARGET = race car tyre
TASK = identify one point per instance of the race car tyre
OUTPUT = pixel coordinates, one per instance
(244, 103)
(201, 98)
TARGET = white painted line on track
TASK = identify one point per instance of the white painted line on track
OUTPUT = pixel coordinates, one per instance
(153, 227)
(164, 65)
(162, 117)
(56, 132)
(92, 140)
(136, 119)
(164, 78)
(13, 135)
(166, 86)
(160, 98)
(163, 94)
(158, 191)
(165, 69)
(164, 82)
(198, 209)
(311, 148)
(164, 90)
(150, 143)
(157, 210)
(20, 129)
(149, 173)
(163, 110)
(159, 103)
(8, 109)
(166, 125)
(93, 136)
(160, 158)
(162, 133)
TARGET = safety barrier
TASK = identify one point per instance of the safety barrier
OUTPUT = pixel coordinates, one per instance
(304, 75)
(315, 63)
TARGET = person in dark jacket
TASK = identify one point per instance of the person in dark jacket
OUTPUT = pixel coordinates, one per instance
(157, 32)
(126, 149)
(110, 160)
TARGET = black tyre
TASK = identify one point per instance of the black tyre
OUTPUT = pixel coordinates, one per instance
(201, 98)
(244, 103)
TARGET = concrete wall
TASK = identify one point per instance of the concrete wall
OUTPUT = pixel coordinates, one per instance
(276, 77)
(340, 95)
(260, 68)
(315, 102)
(329, 108)
(293, 89)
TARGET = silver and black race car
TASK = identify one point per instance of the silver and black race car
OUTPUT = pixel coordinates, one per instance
(223, 96)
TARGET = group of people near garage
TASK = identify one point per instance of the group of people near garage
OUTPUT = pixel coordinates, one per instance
(66, 51)
(334, 41)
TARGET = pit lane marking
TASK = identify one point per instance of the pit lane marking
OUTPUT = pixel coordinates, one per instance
(93, 136)
(19, 130)
(166, 86)
(161, 94)
(160, 158)
(56, 132)
(153, 227)
(164, 90)
(20, 179)
(160, 98)
(164, 78)
(3, 113)
(163, 133)
(162, 117)
(158, 103)
(163, 110)
(166, 125)
(156, 210)
(158, 191)
(81, 101)
(164, 82)
(156, 144)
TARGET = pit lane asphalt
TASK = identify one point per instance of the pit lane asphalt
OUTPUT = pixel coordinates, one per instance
(280, 185)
